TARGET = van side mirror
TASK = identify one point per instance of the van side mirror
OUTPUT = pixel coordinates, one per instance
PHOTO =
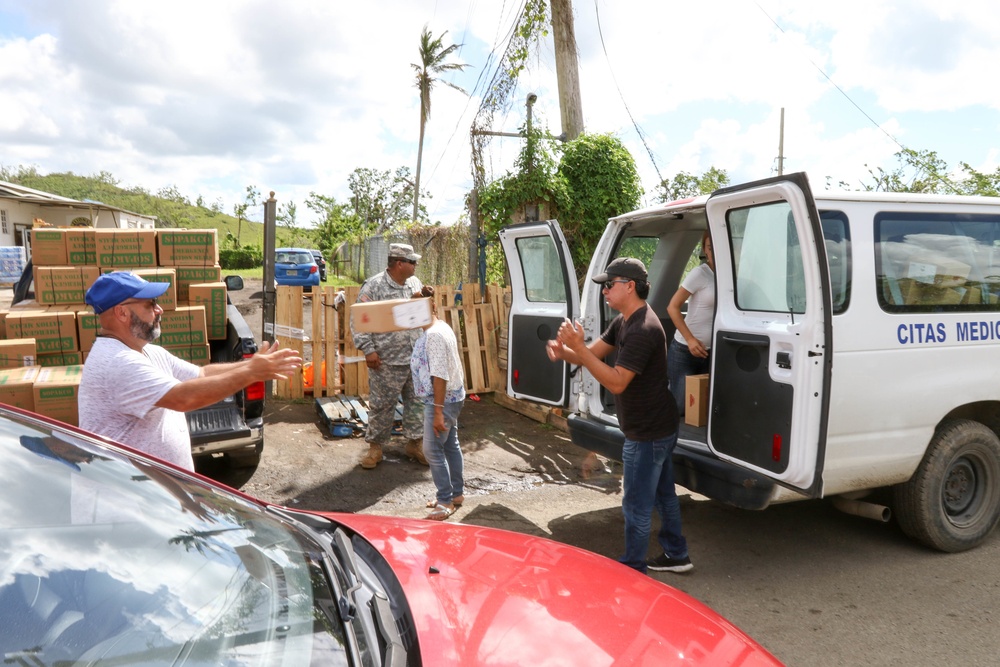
(234, 283)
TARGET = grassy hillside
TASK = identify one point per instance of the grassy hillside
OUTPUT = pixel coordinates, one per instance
(170, 207)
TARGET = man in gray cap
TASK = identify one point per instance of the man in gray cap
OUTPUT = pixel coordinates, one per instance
(137, 393)
(388, 358)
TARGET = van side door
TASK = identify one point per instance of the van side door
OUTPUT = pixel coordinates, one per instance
(544, 292)
(772, 351)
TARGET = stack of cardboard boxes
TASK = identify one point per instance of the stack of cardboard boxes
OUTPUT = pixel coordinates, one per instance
(44, 342)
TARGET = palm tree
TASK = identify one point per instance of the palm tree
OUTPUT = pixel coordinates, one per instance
(432, 62)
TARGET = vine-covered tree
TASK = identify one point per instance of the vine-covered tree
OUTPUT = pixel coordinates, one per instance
(601, 181)
(594, 180)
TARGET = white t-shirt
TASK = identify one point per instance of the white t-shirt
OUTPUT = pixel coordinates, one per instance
(118, 393)
(701, 306)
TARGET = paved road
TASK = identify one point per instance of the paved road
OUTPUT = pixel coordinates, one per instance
(815, 586)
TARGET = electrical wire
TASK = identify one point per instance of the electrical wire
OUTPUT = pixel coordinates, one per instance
(638, 130)
(930, 170)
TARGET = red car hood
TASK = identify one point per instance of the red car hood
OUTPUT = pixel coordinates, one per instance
(482, 596)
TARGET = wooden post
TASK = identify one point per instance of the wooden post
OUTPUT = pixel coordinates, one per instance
(567, 68)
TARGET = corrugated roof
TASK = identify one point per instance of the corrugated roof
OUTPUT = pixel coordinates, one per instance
(40, 198)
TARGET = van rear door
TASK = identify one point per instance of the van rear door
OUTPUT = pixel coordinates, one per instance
(772, 351)
(543, 293)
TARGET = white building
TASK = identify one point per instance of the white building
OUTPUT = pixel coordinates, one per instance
(20, 207)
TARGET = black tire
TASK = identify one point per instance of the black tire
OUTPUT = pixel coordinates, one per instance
(952, 502)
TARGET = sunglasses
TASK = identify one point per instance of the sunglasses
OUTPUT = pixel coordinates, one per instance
(409, 261)
(608, 284)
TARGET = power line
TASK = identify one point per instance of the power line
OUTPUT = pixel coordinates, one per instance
(638, 130)
(931, 171)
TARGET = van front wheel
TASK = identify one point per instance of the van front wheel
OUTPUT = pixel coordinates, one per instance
(952, 502)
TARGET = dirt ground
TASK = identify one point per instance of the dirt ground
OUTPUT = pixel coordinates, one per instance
(304, 466)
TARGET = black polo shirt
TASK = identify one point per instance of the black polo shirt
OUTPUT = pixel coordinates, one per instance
(646, 410)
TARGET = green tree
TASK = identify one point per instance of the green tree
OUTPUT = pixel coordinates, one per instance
(686, 184)
(336, 222)
(286, 215)
(379, 198)
(251, 198)
(433, 54)
(923, 171)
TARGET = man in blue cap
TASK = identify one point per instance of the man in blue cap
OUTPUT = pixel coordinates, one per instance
(136, 393)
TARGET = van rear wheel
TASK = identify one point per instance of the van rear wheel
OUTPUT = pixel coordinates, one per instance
(952, 502)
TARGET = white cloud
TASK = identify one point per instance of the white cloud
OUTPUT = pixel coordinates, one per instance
(292, 97)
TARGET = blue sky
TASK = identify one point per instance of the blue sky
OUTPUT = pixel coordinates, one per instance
(214, 96)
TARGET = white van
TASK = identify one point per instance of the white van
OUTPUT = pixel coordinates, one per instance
(856, 347)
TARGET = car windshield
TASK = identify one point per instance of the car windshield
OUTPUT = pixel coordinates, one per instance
(294, 258)
(121, 561)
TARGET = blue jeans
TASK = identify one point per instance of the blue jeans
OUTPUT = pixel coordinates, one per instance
(649, 480)
(443, 453)
(680, 364)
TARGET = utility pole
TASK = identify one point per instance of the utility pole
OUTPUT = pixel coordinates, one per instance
(270, 298)
(567, 68)
(781, 143)
(570, 111)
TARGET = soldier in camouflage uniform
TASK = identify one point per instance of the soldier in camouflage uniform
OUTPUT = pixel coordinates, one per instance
(388, 358)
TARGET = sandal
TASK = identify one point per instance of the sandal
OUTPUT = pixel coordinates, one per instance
(440, 512)
(456, 501)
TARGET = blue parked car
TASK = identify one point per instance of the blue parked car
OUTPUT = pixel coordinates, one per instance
(296, 266)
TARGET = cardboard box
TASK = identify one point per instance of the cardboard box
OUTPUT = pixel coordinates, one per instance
(61, 285)
(162, 275)
(71, 358)
(696, 400)
(183, 327)
(199, 355)
(56, 392)
(53, 331)
(187, 247)
(213, 297)
(17, 353)
(48, 247)
(87, 325)
(189, 275)
(390, 315)
(126, 248)
(81, 246)
(17, 386)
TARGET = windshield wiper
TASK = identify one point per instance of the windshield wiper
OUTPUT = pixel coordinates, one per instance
(346, 564)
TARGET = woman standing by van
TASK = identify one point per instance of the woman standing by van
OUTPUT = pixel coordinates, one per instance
(689, 352)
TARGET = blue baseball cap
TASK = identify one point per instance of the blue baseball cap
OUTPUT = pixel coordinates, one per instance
(112, 288)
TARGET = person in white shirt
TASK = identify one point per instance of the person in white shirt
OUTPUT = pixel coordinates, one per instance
(136, 393)
(439, 382)
(689, 352)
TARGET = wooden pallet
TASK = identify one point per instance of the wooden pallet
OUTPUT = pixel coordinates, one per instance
(473, 317)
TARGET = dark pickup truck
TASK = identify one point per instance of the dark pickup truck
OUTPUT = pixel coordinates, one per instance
(234, 427)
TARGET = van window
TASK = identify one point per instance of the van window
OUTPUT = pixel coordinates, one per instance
(836, 236)
(937, 262)
(767, 267)
(542, 269)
